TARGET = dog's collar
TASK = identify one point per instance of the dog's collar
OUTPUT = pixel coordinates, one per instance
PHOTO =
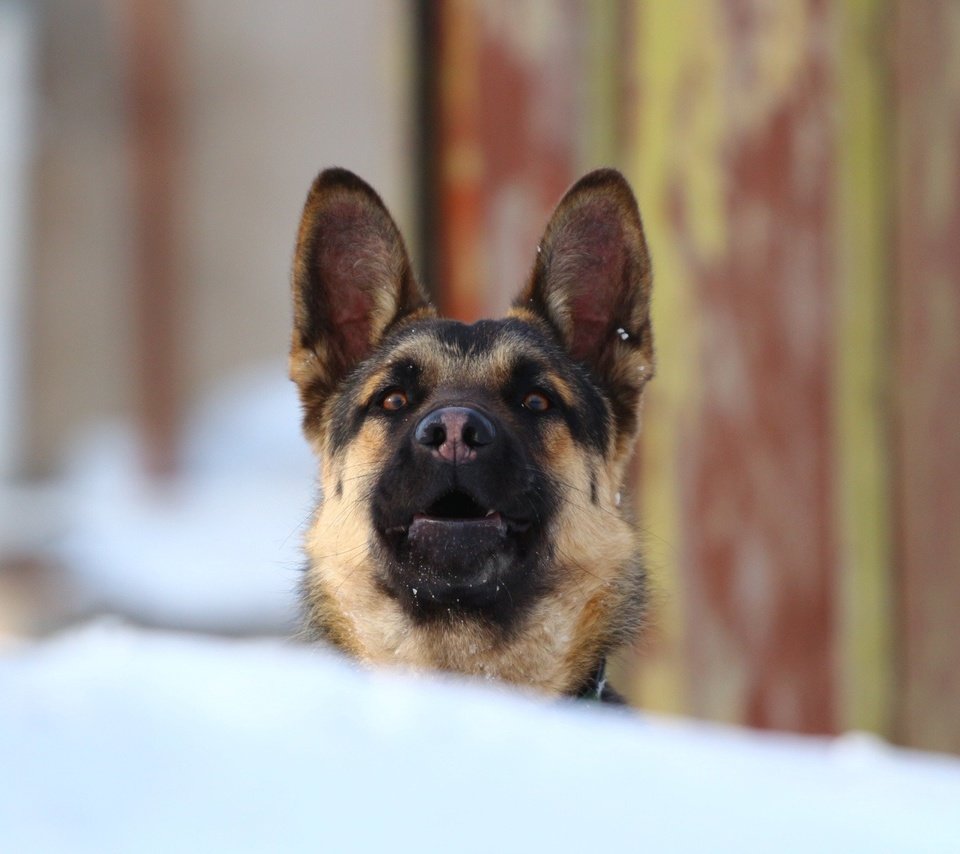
(594, 687)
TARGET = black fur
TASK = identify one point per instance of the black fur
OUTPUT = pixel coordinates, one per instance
(473, 469)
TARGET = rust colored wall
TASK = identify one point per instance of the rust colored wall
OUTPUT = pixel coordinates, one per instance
(735, 164)
(509, 94)
(760, 543)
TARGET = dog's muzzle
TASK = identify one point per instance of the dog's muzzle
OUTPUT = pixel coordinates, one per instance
(455, 513)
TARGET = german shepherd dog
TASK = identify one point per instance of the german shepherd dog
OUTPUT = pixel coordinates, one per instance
(471, 518)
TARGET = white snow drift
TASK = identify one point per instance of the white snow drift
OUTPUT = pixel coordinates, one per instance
(116, 740)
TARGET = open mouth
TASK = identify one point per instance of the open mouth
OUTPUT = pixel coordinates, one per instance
(454, 551)
(458, 511)
(457, 506)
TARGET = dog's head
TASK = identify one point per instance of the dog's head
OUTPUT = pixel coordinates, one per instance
(471, 517)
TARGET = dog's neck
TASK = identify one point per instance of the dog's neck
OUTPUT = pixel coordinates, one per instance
(596, 687)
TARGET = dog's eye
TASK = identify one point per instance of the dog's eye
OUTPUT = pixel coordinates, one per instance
(536, 401)
(394, 400)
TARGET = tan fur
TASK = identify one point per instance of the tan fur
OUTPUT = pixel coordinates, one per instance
(559, 639)
(594, 600)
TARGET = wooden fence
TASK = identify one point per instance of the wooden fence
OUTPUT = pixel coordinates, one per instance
(798, 169)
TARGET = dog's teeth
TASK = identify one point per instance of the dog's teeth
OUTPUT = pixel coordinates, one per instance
(491, 512)
(624, 335)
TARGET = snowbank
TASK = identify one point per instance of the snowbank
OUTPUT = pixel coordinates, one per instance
(118, 740)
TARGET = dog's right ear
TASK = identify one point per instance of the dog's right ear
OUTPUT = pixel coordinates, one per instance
(351, 281)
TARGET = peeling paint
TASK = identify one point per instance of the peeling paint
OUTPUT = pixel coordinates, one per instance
(735, 148)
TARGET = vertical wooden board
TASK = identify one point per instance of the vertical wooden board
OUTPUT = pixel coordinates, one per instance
(155, 114)
(927, 419)
(17, 69)
(864, 361)
(735, 164)
(665, 41)
(461, 159)
(510, 105)
(602, 39)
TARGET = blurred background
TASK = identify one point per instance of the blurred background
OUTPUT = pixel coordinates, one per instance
(798, 168)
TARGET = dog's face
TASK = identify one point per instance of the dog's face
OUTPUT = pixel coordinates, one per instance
(471, 518)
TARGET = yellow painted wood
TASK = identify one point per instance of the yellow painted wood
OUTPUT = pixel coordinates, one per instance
(672, 155)
(599, 144)
(864, 372)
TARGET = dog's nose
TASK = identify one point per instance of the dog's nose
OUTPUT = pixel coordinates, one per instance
(455, 433)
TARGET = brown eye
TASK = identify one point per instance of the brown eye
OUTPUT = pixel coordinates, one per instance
(394, 401)
(536, 401)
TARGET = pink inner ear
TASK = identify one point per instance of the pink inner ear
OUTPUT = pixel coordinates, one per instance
(353, 264)
(591, 261)
(351, 318)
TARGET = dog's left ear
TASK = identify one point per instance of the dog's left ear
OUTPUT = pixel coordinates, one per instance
(591, 282)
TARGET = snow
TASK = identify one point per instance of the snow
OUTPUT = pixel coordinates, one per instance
(219, 547)
(113, 739)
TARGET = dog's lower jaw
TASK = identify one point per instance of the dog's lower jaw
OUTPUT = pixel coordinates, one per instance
(591, 599)
(439, 568)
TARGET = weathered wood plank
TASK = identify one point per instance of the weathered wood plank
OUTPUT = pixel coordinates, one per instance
(735, 163)
(864, 363)
(156, 151)
(510, 106)
(927, 335)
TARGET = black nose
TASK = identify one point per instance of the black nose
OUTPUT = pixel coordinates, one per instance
(455, 433)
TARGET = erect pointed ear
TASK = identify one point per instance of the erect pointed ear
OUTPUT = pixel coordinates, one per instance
(351, 281)
(591, 283)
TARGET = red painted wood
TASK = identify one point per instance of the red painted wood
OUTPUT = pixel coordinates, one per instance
(508, 135)
(759, 531)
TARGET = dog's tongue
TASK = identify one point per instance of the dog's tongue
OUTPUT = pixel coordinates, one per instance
(458, 561)
(429, 527)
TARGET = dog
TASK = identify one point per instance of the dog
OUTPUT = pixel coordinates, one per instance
(471, 518)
